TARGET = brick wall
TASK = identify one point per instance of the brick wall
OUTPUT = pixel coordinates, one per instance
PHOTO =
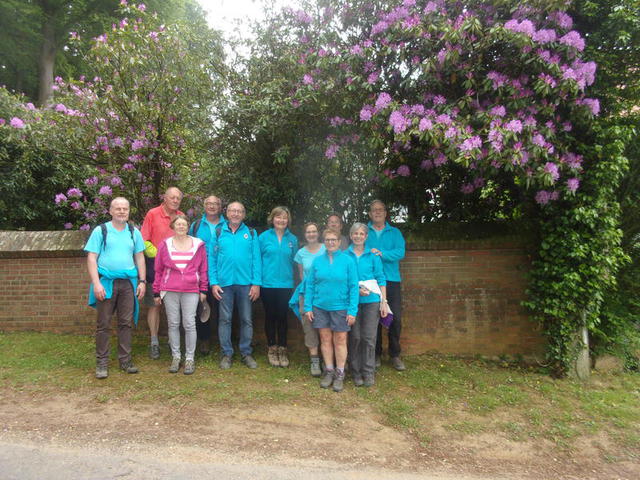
(459, 297)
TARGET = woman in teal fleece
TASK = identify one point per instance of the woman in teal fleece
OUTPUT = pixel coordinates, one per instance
(372, 305)
(331, 304)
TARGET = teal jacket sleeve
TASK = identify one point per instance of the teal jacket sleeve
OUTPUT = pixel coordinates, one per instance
(256, 261)
(352, 283)
(396, 252)
(212, 260)
(309, 290)
(378, 271)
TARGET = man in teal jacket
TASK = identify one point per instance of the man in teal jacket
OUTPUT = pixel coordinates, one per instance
(388, 242)
(205, 229)
(235, 276)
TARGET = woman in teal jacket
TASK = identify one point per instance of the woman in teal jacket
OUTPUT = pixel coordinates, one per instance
(331, 305)
(372, 305)
(278, 246)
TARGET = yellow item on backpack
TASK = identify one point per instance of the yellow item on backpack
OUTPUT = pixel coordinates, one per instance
(150, 249)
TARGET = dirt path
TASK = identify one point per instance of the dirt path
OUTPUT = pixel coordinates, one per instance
(287, 438)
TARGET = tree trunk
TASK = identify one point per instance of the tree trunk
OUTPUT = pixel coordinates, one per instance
(47, 59)
(581, 365)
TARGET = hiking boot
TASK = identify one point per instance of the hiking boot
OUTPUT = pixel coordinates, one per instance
(205, 347)
(282, 355)
(225, 362)
(249, 361)
(128, 367)
(272, 355)
(398, 364)
(358, 381)
(378, 361)
(338, 382)
(327, 379)
(189, 367)
(154, 352)
(316, 371)
(102, 373)
(369, 381)
(175, 365)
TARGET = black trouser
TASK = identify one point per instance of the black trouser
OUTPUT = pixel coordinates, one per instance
(276, 305)
(204, 330)
(394, 297)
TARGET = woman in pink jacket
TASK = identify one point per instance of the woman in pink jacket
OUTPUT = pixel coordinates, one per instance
(181, 282)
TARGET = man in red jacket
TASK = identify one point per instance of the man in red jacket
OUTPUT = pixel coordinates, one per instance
(155, 229)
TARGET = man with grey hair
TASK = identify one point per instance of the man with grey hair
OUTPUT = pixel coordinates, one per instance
(235, 276)
(156, 229)
(388, 242)
(117, 269)
(205, 229)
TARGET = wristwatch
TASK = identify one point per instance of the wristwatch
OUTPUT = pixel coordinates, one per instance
(142, 281)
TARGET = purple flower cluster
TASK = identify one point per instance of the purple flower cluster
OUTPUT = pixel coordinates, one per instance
(403, 171)
(398, 121)
(552, 169)
(525, 26)
(573, 39)
(74, 192)
(331, 151)
(384, 99)
(514, 126)
(16, 122)
(470, 143)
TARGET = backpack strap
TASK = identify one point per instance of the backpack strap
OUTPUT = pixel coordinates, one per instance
(196, 226)
(103, 227)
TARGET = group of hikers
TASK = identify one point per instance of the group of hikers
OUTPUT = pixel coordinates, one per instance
(347, 288)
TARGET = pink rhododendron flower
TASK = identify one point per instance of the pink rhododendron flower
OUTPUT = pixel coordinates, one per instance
(573, 39)
(307, 79)
(60, 197)
(373, 77)
(498, 111)
(383, 100)
(403, 171)
(573, 184)
(514, 126)
(16, 122)
(398, 122)
(68, 226)
(366, 113)
(425, 124)
(105, 190)
(552, 169)
(331, 151)
(543, 197)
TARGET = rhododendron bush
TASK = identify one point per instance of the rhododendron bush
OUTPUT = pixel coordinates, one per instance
(140, 123)
(490, 93)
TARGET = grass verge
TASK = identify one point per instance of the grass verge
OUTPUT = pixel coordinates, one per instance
(437, 397)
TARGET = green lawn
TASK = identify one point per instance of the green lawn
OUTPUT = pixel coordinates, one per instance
(461, 397)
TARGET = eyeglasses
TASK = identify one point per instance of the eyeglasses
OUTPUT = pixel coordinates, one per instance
(378, 210)
(331, 240)
(211, 204)
(235, 210)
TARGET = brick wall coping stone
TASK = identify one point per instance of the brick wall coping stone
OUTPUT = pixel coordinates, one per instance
(69, 243)
(21, 244)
